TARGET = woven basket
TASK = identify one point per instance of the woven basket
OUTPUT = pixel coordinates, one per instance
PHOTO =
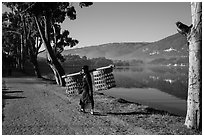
(102, 79)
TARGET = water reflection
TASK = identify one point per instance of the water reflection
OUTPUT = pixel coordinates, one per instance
(168, 86)
(151, 97)
(170, 80)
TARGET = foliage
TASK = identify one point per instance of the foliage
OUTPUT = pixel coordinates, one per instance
(11, 34)
(9, 43)
(18, 24)
(76, 60)
(121, 63)
(101, 61)
(48, 16)
(132, 62)
(56, 12)
(61, 40)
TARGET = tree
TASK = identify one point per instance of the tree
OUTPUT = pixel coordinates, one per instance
(61, 40)
(33, 43)
(15, 26)
(47, 15)
(194, 37)
(12, 37)
(9, 48)
(23, 24)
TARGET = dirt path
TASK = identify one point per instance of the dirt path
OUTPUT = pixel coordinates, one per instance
(33, 106)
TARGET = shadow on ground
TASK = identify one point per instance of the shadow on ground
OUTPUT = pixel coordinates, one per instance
(6, 92)
(11, 97)
(146, 111)
(99, 114)
(5, 96)
(49, 80)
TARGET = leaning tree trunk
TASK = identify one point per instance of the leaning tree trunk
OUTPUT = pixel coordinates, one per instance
(53, 62)
(58, 76)
(194, 101)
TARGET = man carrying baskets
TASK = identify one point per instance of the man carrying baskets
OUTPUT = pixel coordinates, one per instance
(87, 90)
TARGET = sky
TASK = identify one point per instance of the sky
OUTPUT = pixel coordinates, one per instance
(108, 22)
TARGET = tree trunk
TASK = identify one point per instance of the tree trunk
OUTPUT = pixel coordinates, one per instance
(36, 66)
(36, 69)
(24, 40)
(58, 78)
(194, 101)
(22, 54)
(53, 62)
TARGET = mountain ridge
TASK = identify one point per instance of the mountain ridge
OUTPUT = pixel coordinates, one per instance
(174, 46)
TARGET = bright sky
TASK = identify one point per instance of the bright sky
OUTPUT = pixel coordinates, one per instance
(107, 22)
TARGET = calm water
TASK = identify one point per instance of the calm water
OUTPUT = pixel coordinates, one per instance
(162, 88)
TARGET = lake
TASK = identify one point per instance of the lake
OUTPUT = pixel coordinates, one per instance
(163, 88)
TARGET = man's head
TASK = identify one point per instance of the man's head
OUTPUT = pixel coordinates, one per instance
(85, 69)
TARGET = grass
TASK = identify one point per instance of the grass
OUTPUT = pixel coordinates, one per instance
(156, 121)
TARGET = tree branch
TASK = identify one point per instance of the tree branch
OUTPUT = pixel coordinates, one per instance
(11, 31)
(28, 8)
(41, 51)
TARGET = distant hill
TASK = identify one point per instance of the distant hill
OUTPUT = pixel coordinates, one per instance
(173, 48)
(170, 50)
(110, 50)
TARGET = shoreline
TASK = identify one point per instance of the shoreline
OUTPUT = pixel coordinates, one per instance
(146, 96)
(159, 122)
(156, 121)
(112, 115)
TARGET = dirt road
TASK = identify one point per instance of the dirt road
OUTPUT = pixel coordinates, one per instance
(33, 106)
